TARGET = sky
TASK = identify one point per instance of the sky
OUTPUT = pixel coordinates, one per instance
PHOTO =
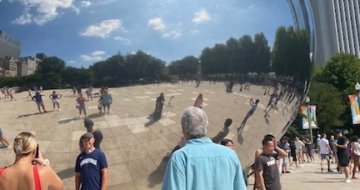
(84, 32)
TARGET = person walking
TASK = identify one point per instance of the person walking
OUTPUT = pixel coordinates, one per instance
(29, 170)
(91, 166)
(202, 164)
(325, 152)
(343, 157)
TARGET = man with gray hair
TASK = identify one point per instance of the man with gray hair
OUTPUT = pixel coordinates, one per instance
(202, 164)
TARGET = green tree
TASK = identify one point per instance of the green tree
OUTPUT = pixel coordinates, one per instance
(329, 105)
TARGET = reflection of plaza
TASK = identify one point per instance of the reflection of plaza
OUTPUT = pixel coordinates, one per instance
(135, 151)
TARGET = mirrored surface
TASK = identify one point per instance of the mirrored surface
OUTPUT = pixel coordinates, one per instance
(250, 61)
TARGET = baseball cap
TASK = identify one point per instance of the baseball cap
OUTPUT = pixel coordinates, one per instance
(88, 135)
(88, 122)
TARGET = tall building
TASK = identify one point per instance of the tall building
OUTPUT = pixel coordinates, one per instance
(9, 46)
(27, 66)
(337, 29)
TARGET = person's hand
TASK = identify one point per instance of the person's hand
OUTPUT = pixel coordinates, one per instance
(39, 161)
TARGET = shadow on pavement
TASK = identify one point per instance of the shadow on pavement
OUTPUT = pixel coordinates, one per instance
(156, 177)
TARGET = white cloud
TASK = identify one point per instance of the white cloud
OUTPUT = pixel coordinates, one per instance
(94, 56)
(172, 34)
(102, 29)
(201, 16)
(157, 24)
(42, 11)
(71, 62)
(123, 40)
(23, 19)
(85, 4)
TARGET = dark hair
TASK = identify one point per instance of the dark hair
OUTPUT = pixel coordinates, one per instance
(354, 138)
(226, 141)
(267, 139)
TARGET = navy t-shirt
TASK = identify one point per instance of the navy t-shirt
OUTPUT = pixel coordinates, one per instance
(89, 166)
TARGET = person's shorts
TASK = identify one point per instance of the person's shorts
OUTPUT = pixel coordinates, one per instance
(106, 104)
(1, 133)
(39, 103)
(81, 106)
(343, 160)
(324, 156)
(285, 160)
(55, 101)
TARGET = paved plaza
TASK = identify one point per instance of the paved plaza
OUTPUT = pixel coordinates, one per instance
(136, 147)
(309, 177)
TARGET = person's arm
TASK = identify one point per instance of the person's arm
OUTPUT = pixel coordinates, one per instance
(77, 181)
(104, 178)
(341, 146)
(282, 153)
(60, 96)
(260, 184)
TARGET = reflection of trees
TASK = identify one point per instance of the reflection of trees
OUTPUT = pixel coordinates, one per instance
(245, 60)
(291, 54)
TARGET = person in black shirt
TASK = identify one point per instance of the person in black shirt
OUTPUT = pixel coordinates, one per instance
(343, 157)
(266, 169)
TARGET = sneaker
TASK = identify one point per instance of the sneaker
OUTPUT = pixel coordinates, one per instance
(354, 178)
(330, 171)
(347, 180)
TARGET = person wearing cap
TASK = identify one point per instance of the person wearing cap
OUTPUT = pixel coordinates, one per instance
(98, 136)
(91, 166)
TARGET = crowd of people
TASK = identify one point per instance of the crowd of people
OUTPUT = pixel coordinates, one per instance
(192, 164)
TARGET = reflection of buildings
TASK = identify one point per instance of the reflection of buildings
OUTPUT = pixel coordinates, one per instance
(9, 46)
(302, 17)
(337, 27)
(11, 64)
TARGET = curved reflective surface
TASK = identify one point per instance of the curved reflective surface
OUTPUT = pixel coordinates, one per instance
(258, 79)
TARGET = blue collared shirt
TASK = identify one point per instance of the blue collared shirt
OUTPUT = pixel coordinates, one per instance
(202, 164)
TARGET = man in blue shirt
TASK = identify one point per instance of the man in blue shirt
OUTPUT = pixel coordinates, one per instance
(91, 166)
(202, 164)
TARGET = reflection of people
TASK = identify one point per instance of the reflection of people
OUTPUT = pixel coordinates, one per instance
(106, 100)
(159, 106)
(202, 164)
(39, 101)
(199, 101)
(28, 172)
(3, 140)
(81, 104)
(55, 99)
(91, 166)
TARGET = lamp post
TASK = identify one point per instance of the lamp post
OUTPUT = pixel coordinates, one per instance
(308, 110)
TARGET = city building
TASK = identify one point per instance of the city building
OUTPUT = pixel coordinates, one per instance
(9, 46)
(336, 28)
(9, 66)
(27, 66)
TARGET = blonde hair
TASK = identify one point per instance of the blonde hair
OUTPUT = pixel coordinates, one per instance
(24, 143)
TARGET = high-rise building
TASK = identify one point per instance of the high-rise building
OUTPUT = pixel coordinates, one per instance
(337, 29)
(9, 46)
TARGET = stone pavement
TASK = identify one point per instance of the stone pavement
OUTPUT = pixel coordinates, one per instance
(309, 177)
(134, 145)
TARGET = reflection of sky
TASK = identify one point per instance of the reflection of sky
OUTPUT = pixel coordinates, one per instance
(82, 32)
